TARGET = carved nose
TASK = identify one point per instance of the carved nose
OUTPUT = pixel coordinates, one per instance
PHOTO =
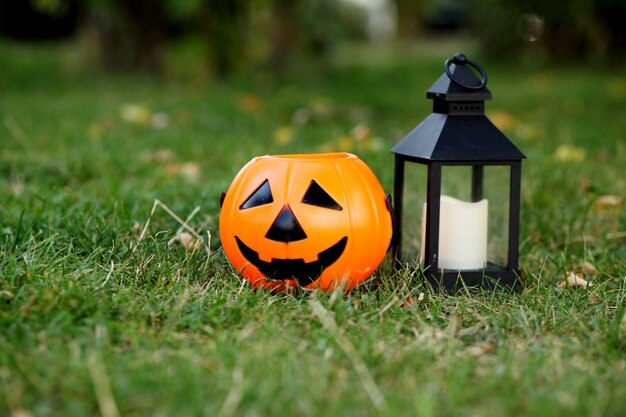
(286, 227)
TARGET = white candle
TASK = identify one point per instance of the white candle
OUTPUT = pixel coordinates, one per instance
(462, 234)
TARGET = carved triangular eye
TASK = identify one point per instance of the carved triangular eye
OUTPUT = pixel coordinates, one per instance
(260, 196)
(316, 196)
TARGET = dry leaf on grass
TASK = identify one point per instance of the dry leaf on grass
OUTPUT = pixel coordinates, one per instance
(608, 202)
(302, 116)
(344, 144)
(322, 107)
(185, 235)
(361, 137)
(574, 280)
(250, 103)
(188, 170)
(529, 132)
(411, 302)
(283, 135)
(479, 349)
(158, 156)
(160, 120)
(362, 132)
(503, 120)
(364, 137)
(7, 295)
(187, 240)
(586, 267)
(136, 114)
(569, 153)
(137, 229)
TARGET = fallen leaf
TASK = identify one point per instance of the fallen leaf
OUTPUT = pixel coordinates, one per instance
(574, 280)
(529, 132)
(569, 153)
(586, 267)
(20, 412)
(302, 116)
(15, 186)
(158, 156)
(608, 203)
(251, 103)
(362, 133)
(345, 144)
(589, 269)
(137, 227)
(359, 114)
(283, 135)
(503, 120)
(190, 171)
(135, 113)
(411, 302)
(181, 233)
(364, 138)
(321, 107)
(160, 120)
(480, 349)
(187, 240)
(172, 169)
(7, 294)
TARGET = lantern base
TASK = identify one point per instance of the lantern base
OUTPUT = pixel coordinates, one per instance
(490, 278)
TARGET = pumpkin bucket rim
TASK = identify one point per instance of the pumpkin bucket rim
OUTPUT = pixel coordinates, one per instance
(311, 157)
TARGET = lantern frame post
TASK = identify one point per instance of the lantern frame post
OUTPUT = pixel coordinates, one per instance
(398, 202)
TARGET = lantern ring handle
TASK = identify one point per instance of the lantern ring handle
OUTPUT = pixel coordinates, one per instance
(461, 59)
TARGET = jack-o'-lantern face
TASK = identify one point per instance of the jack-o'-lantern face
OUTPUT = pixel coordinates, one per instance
(314, 220)
(287, 229)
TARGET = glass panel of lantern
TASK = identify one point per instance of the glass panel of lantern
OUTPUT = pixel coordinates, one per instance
(413, 203)
(474, 217)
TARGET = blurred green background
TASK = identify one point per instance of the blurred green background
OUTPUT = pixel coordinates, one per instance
(107, 106)
(273, 35)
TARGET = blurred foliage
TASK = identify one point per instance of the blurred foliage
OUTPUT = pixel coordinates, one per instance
(235, 33)
(415, 18)
(128, 35)
(559, 29)
(38, 19)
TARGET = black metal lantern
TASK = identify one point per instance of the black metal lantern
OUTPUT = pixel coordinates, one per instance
(471, 206)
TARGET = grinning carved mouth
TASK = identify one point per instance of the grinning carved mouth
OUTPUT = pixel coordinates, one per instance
(303, 272)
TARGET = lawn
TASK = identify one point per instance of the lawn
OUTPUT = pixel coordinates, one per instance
(104, 311)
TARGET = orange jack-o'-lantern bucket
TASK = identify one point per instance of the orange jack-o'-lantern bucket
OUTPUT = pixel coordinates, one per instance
(317, 221)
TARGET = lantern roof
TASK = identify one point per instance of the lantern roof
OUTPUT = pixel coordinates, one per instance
(458, 129)
(441, 137)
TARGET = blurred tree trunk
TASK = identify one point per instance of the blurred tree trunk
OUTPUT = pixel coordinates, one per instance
(225, 20)
(409, 14)
(283, 33)
(145, 27)
(131, 35)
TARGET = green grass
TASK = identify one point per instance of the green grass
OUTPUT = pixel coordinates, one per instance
(96, 321)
